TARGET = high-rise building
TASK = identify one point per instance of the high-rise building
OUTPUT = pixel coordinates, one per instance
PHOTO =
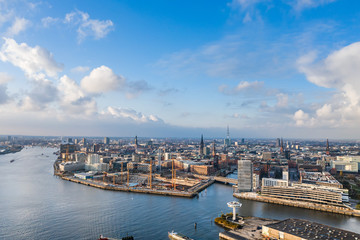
(106, 140)
(277, 142)
(282, 146)
(201, 149)
(227, 141)
(245, 176)
(159, 159)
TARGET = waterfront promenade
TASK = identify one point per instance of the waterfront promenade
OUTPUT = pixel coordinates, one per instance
(313, 206)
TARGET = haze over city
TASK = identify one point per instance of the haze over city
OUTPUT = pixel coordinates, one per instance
(180, 68)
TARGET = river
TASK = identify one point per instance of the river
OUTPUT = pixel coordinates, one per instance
(35, 204)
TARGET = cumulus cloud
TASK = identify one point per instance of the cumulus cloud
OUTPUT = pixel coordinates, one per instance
(243, 86)
(19, 25)
(34, 61)
(73, 100)
(131, 114)
(339, 71)
(102, 79)
(301, 118)
(87, 26)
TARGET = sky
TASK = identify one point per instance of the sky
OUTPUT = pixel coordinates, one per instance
(265, 68)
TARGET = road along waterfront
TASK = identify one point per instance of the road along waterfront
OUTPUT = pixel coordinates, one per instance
(35, 204)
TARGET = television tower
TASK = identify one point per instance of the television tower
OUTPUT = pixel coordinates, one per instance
(227, 139)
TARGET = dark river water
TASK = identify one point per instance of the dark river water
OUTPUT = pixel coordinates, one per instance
(34, 204)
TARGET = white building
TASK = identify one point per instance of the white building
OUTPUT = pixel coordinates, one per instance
(346, 163)
(93, 159)
(266, 182)
(71, 166)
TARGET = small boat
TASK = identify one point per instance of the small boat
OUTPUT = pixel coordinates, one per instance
(178, 236)
(124, 238)
(13, 160)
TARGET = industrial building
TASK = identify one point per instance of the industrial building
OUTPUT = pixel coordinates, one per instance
(297, 229)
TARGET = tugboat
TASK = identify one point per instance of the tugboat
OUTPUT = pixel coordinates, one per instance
(178, 236)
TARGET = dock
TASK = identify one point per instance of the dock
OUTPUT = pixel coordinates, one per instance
(313, 206)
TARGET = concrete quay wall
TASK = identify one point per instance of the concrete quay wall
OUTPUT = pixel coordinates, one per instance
(111, 187)
(307, 205)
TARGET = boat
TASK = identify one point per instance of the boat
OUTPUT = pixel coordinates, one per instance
(13, 160)
(178, 236)
(124, 238)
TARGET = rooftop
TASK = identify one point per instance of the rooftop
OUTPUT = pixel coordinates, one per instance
(312, 230)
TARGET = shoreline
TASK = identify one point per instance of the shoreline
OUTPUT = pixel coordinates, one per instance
(112, 187)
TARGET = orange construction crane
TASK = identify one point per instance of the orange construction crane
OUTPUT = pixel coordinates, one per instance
(173, 175)
(104, 176)
(150, 173)
(128, 177)
(67, 153)
(121, 176)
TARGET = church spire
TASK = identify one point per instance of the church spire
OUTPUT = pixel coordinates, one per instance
(201, 150)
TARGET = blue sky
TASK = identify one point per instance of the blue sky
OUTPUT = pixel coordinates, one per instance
(266, 68)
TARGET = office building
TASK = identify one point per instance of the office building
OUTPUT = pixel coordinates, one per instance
(245, 176)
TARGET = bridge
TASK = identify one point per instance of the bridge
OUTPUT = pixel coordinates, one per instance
(226, 180)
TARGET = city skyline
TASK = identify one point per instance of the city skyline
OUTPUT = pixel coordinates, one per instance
(118, 68)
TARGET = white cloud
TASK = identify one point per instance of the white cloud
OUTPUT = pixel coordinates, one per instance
(48, 21)
(245, 4)
(243, 86)
(249, 6)
(87, 26)
(34, 61)
(19, 25)
(131, 114)
(301, 118)
(102, 79)
(300, 5)
(80, 69)
(339, 71)
(73, 100)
